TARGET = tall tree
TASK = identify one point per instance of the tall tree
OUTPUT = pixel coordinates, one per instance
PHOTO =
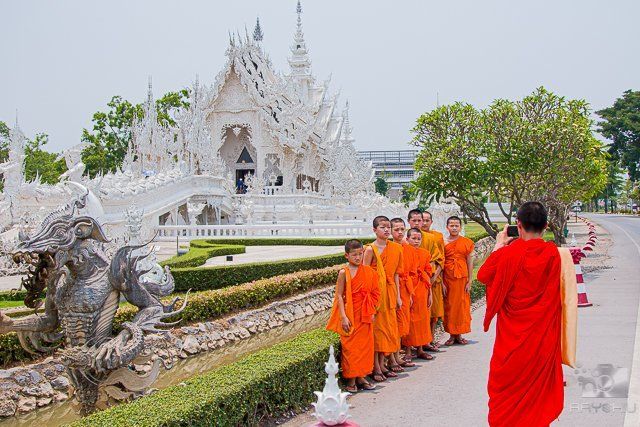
(621, 124)
(4, 147)
(39, 162)
(109, 139)
(538, 148)
(381, 184)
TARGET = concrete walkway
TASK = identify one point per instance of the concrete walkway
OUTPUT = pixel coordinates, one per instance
(275, 253)
(451, 390)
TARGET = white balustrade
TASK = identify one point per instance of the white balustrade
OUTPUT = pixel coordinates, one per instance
(189, 232)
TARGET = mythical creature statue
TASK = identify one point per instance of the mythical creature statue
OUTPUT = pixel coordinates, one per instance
(82, 286)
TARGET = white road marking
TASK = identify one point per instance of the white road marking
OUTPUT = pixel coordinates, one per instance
(632, 415)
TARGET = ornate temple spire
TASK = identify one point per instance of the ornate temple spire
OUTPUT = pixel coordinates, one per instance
(346, 125)
(299, 61)
(150, 92)
(258, 35)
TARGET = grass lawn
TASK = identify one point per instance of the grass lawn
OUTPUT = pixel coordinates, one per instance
(11, 304)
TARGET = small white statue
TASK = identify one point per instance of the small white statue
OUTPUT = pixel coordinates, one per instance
(573, 243)
(332, 407)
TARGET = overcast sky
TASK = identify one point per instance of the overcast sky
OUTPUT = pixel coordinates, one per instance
(64, 60)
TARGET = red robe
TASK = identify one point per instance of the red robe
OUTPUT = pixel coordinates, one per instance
(525, 376)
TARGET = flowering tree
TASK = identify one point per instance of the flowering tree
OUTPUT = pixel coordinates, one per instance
(538, 148)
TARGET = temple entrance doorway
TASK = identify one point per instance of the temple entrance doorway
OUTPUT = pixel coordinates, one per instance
(241, 179)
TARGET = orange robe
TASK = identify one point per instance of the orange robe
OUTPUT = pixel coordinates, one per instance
(408, 280)
(385, 325)
(420, 329)
(524, 289)
(433, 241)
(457, 303)
(360, 300)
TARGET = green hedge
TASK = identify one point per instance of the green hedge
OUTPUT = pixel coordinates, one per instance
(207, 305)
(206, 278)
(477, 235)
(283, 241)
(12, 295)
(200, 251)
(259, 387)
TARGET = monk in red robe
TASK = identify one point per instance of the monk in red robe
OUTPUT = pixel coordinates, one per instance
(456, 286)
(354, 308)
(420, 328)
(385, 257)
(524, 280)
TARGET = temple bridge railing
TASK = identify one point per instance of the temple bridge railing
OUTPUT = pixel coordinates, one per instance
(190, 232)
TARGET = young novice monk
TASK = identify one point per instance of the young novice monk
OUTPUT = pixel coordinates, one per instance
(386, 258)
(408, 275)
(456, 287)
(437, 256)
(431, 243)
(354, 308)
(420, 328)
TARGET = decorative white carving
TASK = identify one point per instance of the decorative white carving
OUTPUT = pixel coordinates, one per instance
(332, 407)
(290, 126)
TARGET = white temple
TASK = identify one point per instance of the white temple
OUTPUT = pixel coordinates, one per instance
(258, 153)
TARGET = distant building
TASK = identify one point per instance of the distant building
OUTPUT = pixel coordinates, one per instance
(395, 166)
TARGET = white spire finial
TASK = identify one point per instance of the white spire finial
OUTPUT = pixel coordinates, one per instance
(299, 62)
(150, 91)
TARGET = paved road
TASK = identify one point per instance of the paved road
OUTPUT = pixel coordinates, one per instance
(451, 390)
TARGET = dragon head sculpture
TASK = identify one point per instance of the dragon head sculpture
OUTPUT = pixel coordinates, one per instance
(50, 247)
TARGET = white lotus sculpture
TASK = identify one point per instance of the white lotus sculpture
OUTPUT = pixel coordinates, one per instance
(332, 407)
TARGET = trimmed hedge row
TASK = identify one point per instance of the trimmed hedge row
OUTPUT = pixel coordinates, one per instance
(263, 385)
(287, 241)
(200, 251)
(477, 236)
(12, 295)
(266, 384)
(207, 305)
(207, 278)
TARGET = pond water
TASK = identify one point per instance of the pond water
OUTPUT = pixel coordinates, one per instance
(65, 412)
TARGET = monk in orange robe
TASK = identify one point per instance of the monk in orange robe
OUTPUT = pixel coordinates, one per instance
(386, 258)
(420, 328)
(354, 308)
(531, 288)
(431, 243)
(407, 277)
(437, 309)
(458, 275)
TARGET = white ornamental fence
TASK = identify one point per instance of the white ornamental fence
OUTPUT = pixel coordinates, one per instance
(189, 232)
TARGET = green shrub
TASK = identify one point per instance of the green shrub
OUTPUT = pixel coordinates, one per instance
(12, 295)
(11, 351)
(217, 277)
(477, 290)
(200, 251)
(477, 235)
(206, 305)
(283, 241)
(263, 385)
